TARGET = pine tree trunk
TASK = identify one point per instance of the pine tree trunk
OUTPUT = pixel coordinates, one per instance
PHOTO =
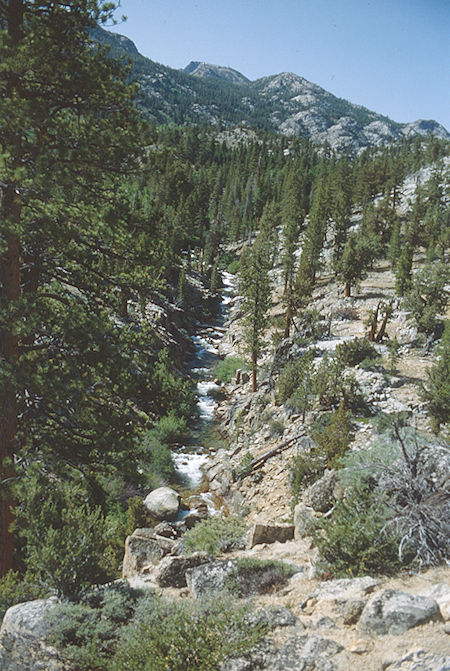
(347, 289)
(288, 319)
(254, 366)
(9, 354)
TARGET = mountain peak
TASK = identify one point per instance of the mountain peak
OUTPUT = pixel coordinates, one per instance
(201, 69)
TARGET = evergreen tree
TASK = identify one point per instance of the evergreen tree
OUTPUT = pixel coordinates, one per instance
(403, 269)
(255, 287)
(436, 391)
(356, 259)
(71, 138)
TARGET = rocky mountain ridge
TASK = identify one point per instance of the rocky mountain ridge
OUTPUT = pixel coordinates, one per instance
(284, 103)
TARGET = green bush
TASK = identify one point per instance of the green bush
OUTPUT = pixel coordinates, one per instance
(158, 465)
(304, 470)
(86, 633)
(171, 428)
(15, 588)
(356, 540)
(295, 376)
(216, 535)
(65, 537)
(353, 352)
(331, 386)
(138, 516)
(372, 364)
(181, 636)
(333, 441)
(226, 369)
(427, 298)
(257, 576)
(233, 266)
(436, 391)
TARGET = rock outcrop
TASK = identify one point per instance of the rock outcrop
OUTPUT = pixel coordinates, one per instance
(394, 612)
(144, 549)
(23, 645)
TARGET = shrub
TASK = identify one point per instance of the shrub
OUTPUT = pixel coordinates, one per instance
(233, 266)
(334, 441)
(372, 364)
(216, 535)
(304, 470)
(137, 515)
(294, 375)
(352, 352)
(86, 633)
(257, 576)
(65, 537)
(356, 539)
(345, 313)
(184, 636)
(402, 468)
(158, 462)
(171, 428)
(331, 386)
(244, 464)
(226, 369)
(15, 588)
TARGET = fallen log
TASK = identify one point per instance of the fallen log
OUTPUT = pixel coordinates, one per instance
(259, 461)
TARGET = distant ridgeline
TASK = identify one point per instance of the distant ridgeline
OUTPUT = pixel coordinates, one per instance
(287, 103)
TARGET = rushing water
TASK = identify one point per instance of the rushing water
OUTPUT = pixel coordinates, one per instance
(192, 457)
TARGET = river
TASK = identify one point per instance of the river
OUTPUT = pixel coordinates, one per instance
(193, 455)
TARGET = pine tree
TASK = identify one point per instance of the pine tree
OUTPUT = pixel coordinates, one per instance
(357, 258)
(436, 392)
(403, 276)
(255, 287)
(71, 138)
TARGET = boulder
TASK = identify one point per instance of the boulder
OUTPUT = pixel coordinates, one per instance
(269, 533)
(166, 530)
(303, 652)
(143, 549)
(345, 589)
(202, 580)
(171, 571)
(22, 638)
(419, 660)
(441, 594)
(394, 612)
(163, 503)
(320, 496)
(304, 520)
(349, 610)
(259, 658)
(275, 616)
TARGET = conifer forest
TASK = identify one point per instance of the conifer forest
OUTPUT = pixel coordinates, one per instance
(119, 233)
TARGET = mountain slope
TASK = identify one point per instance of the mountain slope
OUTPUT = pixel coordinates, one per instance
(199, 69)
(285, 103)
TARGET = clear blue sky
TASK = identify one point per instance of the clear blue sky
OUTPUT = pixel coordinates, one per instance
(392, 56)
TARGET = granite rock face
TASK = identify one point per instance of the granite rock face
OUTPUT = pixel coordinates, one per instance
(22, 638)
(142, 550)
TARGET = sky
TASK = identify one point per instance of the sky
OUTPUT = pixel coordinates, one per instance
(392, 56)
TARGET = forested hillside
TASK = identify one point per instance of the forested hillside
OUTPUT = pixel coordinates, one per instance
(115, 233)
